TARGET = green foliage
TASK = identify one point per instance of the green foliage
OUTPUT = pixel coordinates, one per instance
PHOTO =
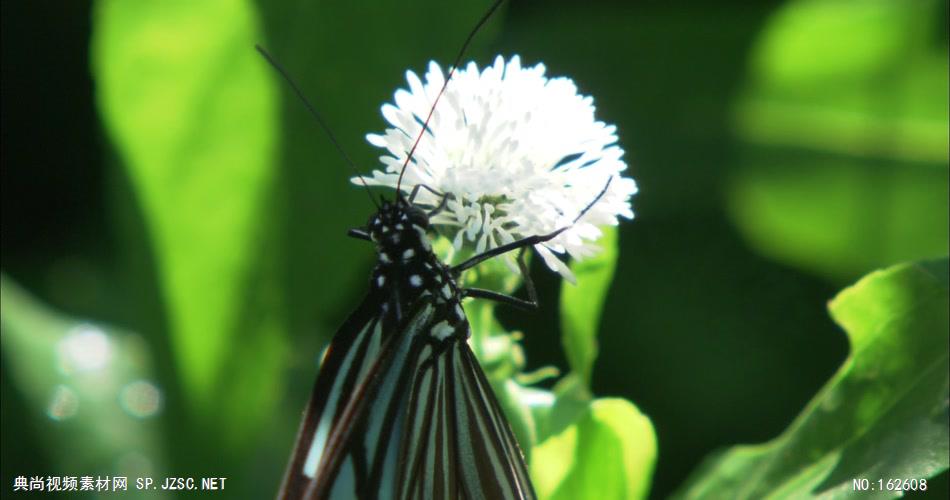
(192, 111)
(844, 158)
(83, 383)
(883, 415)
(582, 304)
(607, 452)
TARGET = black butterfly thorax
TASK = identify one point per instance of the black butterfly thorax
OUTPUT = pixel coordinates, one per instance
(407, 269)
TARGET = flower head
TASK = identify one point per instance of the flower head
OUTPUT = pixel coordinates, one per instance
(520, 153)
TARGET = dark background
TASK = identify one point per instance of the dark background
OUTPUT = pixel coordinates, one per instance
(716, 341)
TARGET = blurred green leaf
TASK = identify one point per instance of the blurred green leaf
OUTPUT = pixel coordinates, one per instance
(192, 110)
(883, 415)
(91, 387)
(607, 453)
(569, 400)
(516, 402)
(582, 304)
(844, 125)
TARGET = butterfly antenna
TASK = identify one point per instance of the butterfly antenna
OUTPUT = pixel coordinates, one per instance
(458, 58)
(318, 117)
(597, 198)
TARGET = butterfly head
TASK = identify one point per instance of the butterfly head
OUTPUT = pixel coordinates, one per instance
(399, 226)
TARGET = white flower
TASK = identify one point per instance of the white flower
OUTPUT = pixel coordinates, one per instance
(522, 155)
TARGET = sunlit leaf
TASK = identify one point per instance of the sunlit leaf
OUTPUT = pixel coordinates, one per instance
(192, 110)
(607, 453)
(883, 415)
(582, 304)
(569, 400)
(90, 386)
(844, 126)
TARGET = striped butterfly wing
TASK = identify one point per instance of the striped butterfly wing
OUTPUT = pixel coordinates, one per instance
(454, 414)
(426, 424)
(348, 360)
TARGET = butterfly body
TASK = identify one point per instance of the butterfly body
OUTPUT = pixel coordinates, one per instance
(401, 407)
(406, 268)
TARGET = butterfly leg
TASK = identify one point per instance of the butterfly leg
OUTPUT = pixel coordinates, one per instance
(359, 234)
(527, 241)
(417, 187)
(522, 244)
(481, 293)
(441, 206)
(530, 304)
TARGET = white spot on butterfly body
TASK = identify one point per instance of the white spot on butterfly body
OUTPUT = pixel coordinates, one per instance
(408, 254)
(447, 291)
(384, 257)
(399, 227)
(442, 330)
(459, 313)
(415, 280)
(423, 237)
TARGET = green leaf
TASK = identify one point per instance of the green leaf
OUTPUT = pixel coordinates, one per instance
(581, 305)
(570, 399)
(883, 415)
(91, 387)
(516, 402)
(607, 453)
(843, 124)
(192, 110)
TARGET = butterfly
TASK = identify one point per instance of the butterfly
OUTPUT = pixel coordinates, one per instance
(401, 407)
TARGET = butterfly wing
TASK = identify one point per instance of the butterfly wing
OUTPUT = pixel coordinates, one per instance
(421, 422)
(457, 442)
(359, 458)
(347, 362)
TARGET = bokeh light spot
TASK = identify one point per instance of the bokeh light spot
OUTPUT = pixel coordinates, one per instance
(141, 399)
(63, 405)
(85, 348)
(134, 464)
